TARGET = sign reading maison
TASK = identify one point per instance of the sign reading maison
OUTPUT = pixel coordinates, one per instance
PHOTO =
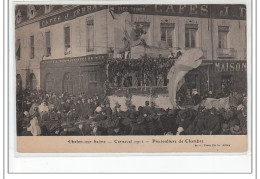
(227, 11)
(233, 66)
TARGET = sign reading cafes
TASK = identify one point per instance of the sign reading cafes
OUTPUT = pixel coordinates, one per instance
(226, 11)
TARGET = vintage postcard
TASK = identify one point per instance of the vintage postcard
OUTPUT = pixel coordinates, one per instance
(139, 78)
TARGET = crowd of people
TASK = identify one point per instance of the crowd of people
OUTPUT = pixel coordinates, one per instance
(140, 72)
(46, 114)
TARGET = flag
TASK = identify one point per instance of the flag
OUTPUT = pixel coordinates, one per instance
(188, 61)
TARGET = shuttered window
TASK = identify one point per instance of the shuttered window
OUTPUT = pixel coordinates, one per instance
(32, 47)
(190, 35)
(48, 43)
(67, 39)
(18, 49)
(222, 36)
(167, 33)
(90, 35)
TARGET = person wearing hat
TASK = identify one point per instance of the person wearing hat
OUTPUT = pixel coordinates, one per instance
(43, 110)
(67, 105)
(168, 121)
(147, 107)
(213, 122)
(84, 108)
(196, 98)
(53, 116)
(138, 125)
(152, 123)
(184, 119)
(72, 115)
(22, 124)
(191, 129)
(34, 127)
(107, 109)
(77, 106)
(95, 129)
(225, 129)
(201, 121)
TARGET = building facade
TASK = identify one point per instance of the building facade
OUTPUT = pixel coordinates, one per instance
(64, 48)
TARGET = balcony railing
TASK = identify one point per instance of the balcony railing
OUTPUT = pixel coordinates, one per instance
(226, 53)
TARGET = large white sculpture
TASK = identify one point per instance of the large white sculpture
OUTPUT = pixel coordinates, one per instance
(187, 61)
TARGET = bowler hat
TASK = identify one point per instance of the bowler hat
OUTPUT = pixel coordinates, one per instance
(235, 129)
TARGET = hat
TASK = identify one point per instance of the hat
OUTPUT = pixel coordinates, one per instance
(98, 109)
(240, 107)
(26, 113)
(172, 112)
(179, 130)
(183, 114)
(132, 116)
(224, 126)
(235, 129)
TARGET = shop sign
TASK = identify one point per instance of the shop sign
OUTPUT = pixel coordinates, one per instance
(221, 11)
(89, 58)
(230, 66)
(71, 14)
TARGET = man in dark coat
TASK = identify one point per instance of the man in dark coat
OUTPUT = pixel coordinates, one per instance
(213, 125)
(201, 121)
(23, 124)
(168, 121)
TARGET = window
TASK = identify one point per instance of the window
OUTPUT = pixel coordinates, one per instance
(67, 39)
(93, 77)
(31, 11)
(68, 83)
(90, 35)
(18, 16)
(48, 43)
(142, 30)
(18, 49)
(92, 85)
(32, 47)
(222, 36)
(167, 33)
(190, 35)
(49, 82)
(32, 82)
(19, 83)
(48, 8)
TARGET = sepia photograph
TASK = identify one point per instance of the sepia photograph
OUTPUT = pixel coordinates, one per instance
(143, 70)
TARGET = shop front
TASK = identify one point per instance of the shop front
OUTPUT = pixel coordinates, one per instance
(75, 75)
(229, 75)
